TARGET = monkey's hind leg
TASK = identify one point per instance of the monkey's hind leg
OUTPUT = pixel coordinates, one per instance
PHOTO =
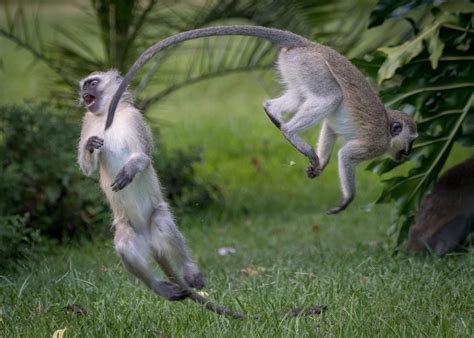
(167, 241)
(134, 251)
(288, 102)
(312, 111)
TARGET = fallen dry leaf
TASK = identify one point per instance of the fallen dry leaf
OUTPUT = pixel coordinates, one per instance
(374, 242)
(59, 333)
(255, 162)
(252, 272)
(202, 293)
(316, 227)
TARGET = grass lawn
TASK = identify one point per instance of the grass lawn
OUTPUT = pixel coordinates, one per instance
(275, 219)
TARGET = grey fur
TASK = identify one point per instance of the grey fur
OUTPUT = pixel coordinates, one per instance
(281, 37)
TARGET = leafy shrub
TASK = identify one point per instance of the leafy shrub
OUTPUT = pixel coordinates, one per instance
(17, 241)
(429, 74)
(39, 175)
(178, 177)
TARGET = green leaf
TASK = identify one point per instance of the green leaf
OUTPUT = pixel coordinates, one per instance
(401, 55)
(394, 9)
(435, 48)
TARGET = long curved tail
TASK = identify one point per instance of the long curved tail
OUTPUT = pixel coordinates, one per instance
(281, 37)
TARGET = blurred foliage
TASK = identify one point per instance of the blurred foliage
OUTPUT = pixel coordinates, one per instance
(114, 32)
(39, 175)
(40, 178)
(178, 177)
(389, 9)
(17, 240)
(430, 75)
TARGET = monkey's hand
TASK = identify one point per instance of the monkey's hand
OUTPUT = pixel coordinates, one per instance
(123, 178)
(341, 206)
(94, 142)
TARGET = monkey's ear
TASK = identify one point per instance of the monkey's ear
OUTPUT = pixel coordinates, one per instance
(395, 128)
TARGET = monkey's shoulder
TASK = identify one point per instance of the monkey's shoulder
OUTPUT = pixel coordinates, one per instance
(130, 131)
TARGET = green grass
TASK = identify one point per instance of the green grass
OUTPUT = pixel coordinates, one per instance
(275, 218)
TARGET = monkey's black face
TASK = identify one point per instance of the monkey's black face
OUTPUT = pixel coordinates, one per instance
(402, 140)
(90, 94)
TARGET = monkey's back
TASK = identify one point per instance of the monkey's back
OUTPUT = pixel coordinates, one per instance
(363, 104)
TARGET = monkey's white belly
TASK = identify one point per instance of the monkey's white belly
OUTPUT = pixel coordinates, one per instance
(341, 124)
(137, 201)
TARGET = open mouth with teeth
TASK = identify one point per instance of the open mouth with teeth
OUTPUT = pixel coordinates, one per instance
(88, 99)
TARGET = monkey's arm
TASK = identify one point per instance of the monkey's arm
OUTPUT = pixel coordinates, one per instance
(88, 152)
(137, 162)
(327, 138)
(349, 156)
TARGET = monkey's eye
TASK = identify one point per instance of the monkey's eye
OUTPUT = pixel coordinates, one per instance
(93, 83)
(395, 128)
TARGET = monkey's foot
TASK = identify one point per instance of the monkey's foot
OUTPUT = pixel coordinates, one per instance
(195, 280)
(170, 291)
(341, 206)
(266, 108)
(313, 171)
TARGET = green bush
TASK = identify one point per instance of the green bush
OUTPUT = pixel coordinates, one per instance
(17, 241)
(39, 174)
(178, 177)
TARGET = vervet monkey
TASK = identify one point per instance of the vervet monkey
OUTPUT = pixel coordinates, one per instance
(321, 86)
(446, 215)
(144, 226)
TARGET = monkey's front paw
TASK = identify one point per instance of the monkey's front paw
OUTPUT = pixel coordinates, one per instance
(313, 171)
(171, 291)
(341, 206)
(195, 280)
(94, 142)
(124, 177)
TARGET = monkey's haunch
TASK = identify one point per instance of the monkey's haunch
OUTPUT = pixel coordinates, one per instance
(281, 37)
